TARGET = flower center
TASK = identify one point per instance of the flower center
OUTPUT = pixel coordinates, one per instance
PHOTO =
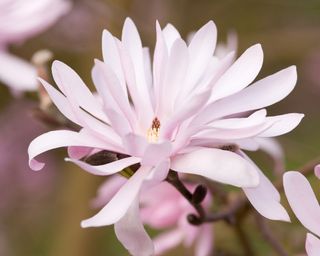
(153, 131)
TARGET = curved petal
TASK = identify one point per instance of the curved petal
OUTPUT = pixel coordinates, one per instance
(131, 233)
(120, 203)
(74, 88)
(260, 94)
(58, 139)
(241, 73)
(156, 153)
(78, 152)
(218, 165)
(282, 124)
(265, 198)
(302, 200)
(312, 245)
(106, 169)
(25, 80)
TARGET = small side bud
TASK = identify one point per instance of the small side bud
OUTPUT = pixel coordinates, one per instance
(193, 219)
(199, 194)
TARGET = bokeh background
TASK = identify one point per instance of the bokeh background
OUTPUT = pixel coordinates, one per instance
(40, 212)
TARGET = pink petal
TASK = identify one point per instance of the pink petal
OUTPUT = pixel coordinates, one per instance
(159, 60)
(108, 189)
(61, 102)
(312, 245)
(174, 76)
(74, 88)
(265, 198)
(108, 85)
(78, 152)
(218, 165)
(135, 145)
(201, 49)
(167, 241)
(131, 233)
(170, 35)
(240, 74)
(120, 203)
(25, 81)
(205, 241)
(268, 90)
(317, 171)
(111, 56)
(302, 200)
(156, 153)
(57, 139)
(282, 124)
(132, 42)
(106, 169)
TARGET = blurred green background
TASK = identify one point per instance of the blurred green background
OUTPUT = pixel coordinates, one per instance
(45, 220)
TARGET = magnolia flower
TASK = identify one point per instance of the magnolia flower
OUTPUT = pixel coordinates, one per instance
(163, 207)
(305, 206)
(184, 112)
(19, 20)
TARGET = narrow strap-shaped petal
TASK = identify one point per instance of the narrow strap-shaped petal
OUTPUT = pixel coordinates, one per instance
(106, 169)
(201, 50)
(74, 88)
(218, 165)
(241, 73)
(25, 80)
(282, 124)
(131, 233)
(260, 94)
(170, 34)
(111, 56)
(205, 241)
(120, 203)
(58, 139)
(302, 200)
(174, 76)
(265, 198)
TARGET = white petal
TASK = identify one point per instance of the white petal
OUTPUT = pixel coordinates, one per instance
(76, 91)
(218, 165)
(106, 169)
(131, 233)
(241, 73)
(120, 203)
(282, 124)
(57, 139)
(260, 94)
(17, 73)
(265, 198)
(201, 50)
(170, 34)
(302, 200)
(312, 245)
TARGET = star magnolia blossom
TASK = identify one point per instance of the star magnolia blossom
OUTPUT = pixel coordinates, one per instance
(305, 206)
(163, 207)
(179, 113)
(19, 20)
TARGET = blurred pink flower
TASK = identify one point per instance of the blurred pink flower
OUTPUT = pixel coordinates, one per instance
(163, 207)
(305, 206)
(184, 113)
(20, 20)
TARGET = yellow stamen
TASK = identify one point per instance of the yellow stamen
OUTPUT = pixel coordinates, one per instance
(153, 132)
